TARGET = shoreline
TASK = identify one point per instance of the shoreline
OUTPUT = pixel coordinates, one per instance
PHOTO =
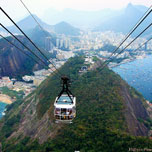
(139, 80)
(131, 60)
(5, 99)
(3, 102)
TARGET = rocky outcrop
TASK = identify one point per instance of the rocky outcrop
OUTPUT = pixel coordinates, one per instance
(134, 110)
(33, 127)
(13, 62)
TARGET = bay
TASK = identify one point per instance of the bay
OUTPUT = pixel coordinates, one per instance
(138, 74)
(2, 108)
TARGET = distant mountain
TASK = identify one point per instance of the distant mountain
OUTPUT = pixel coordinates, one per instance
(126, 20)
(27, 24)
(81, 19)
(142, 8)
(59, 28)
(116, 20)
(38, 36)
(66, 29)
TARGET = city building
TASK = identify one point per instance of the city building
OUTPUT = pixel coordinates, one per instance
(48, 44)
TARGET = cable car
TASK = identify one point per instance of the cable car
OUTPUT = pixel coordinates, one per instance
(65, 104)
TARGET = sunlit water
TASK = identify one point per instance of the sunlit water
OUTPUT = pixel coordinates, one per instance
(138, 74)
(2, 108)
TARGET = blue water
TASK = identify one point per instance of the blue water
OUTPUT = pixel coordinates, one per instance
(138, 74)
(2, 108)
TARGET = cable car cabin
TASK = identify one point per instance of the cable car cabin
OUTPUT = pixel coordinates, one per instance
(65, 108)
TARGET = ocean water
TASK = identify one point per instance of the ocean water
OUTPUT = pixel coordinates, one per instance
(138, 74)
(2, 108)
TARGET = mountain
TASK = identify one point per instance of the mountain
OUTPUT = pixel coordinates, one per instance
(14, 63)
(39, 36)
(81, 19)
(126, 20)
(66, 29)
(102, 20)
(27, 23)
(142, 8)
(111, 115)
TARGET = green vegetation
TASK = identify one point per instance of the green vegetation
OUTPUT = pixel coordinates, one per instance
(100, 122)
(12, 119)
(48, 93)
(12, 93)
(95, 59)
(18, 96)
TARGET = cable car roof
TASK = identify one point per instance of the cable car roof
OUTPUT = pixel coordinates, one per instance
(65, 102)
(64, 99)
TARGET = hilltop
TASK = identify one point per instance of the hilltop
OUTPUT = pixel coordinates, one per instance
(110, 115)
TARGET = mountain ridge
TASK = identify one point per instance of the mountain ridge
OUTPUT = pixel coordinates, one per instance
(27, 24)
(126, 20)
(115, 20)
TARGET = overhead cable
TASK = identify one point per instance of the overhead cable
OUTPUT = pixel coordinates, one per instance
(143, 44)
(131, 31)
(29, 40)
(20, 49)
(128, 44)
(23, 44)
(135, 38)
(34, 18)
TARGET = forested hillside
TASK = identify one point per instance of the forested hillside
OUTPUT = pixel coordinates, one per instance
(111, 116)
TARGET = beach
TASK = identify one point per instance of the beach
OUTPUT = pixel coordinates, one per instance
(5, 99)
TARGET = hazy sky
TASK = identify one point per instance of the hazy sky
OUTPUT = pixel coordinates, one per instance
(16, 10)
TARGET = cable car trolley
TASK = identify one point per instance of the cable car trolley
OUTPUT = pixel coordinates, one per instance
(65, 103)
